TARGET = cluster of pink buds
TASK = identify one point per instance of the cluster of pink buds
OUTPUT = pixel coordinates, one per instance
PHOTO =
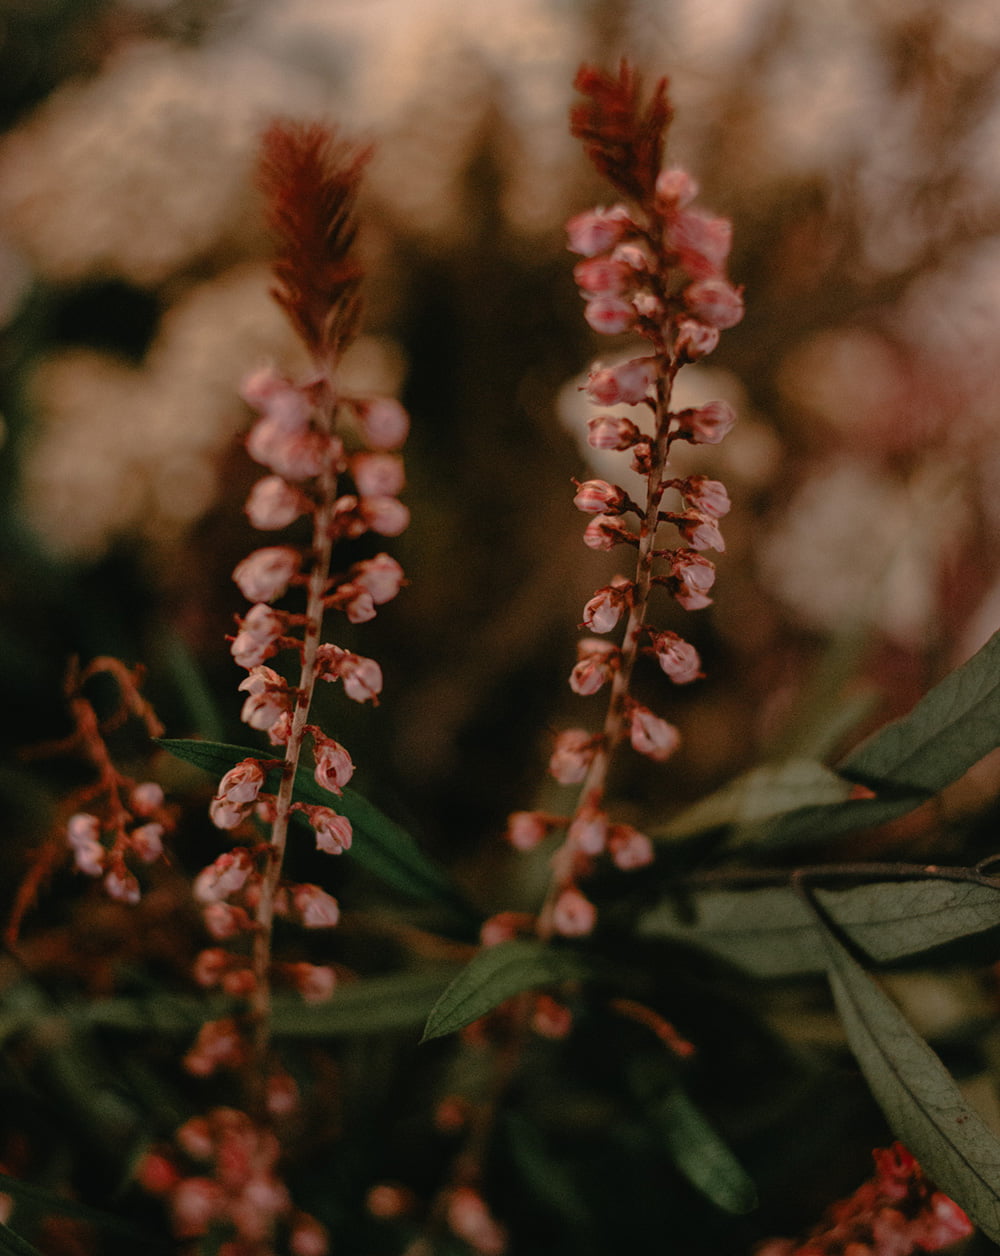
(129, 829)
(897, 1213)
(222, 1176)
(655, 269)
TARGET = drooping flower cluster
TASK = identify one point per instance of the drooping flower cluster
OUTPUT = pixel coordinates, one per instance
(222, 1176)
(654, 268)
(895, 1213)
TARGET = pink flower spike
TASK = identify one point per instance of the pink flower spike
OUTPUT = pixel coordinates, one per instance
(573, 915)
(677, 657)
(594, 497)
(597, 230)
(715, 302)
(334, 767)
(264, 575)
(384, 423)
(675, 188)
(607, 431)
(708, 425)
(274, 503)
(609, 315)
(572, 755)
(652, 736)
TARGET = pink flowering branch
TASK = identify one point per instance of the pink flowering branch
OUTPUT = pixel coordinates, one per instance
(653, 269)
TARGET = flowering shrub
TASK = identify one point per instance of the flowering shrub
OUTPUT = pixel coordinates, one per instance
(586, 1081)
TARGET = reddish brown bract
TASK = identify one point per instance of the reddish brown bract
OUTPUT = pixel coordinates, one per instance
(310, 183)
(621, 135)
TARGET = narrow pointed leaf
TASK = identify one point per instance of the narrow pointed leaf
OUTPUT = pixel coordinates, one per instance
(702, 1156)
(921, 1102)
(12, 1244)
(908, 761)
(771, 932)
(498, 973)
(760, 794)
(383, 847)
(375, 1005)
(950, 729)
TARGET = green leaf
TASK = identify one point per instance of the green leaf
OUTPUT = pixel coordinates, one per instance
(701, 1155)
(374, 1005)
(760, 794)
(51, 1203)
(544, 1173)
(498, 973)
(921, 1102)
(771, 932)
(383, 847)
(12, 1244)
(949, 730)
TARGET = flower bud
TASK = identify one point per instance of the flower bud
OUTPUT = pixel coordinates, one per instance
(314, 982)
(695, 340)
(708, 496)
(597, 230)
(525, 829)
(715, 303)
(708, 425)
(702, 243)
(604, 609)
(700, 531)
(82, 829)
(242, 783)
(333, 831)
(89, 857)
(609, 315)
(268, 698)
(276, 396)
(384, 423)
(572, 755)
(122, 886)
(603, 276)
(573, 915)
(608, 431)
(225, 876)
(588, 831)
(694, 574)
(604, 532)
(146, 799)
(629, 848)
(147, 841)
(597, 662)
(194, 1205)
(382, 576)
(274, 503)
(627, 383)
(378, 474)
(385, 515)
(334, 767)
(294, 453)
(675, 188)
(265, 574)
(596, 496)
(652, 736)
(677, 657)
(250, 651)
(315, 908)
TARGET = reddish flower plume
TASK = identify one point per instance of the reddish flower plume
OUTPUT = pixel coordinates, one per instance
(310, 182)
(622, 135)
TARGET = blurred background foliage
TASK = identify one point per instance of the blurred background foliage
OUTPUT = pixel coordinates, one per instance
(855, 145)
